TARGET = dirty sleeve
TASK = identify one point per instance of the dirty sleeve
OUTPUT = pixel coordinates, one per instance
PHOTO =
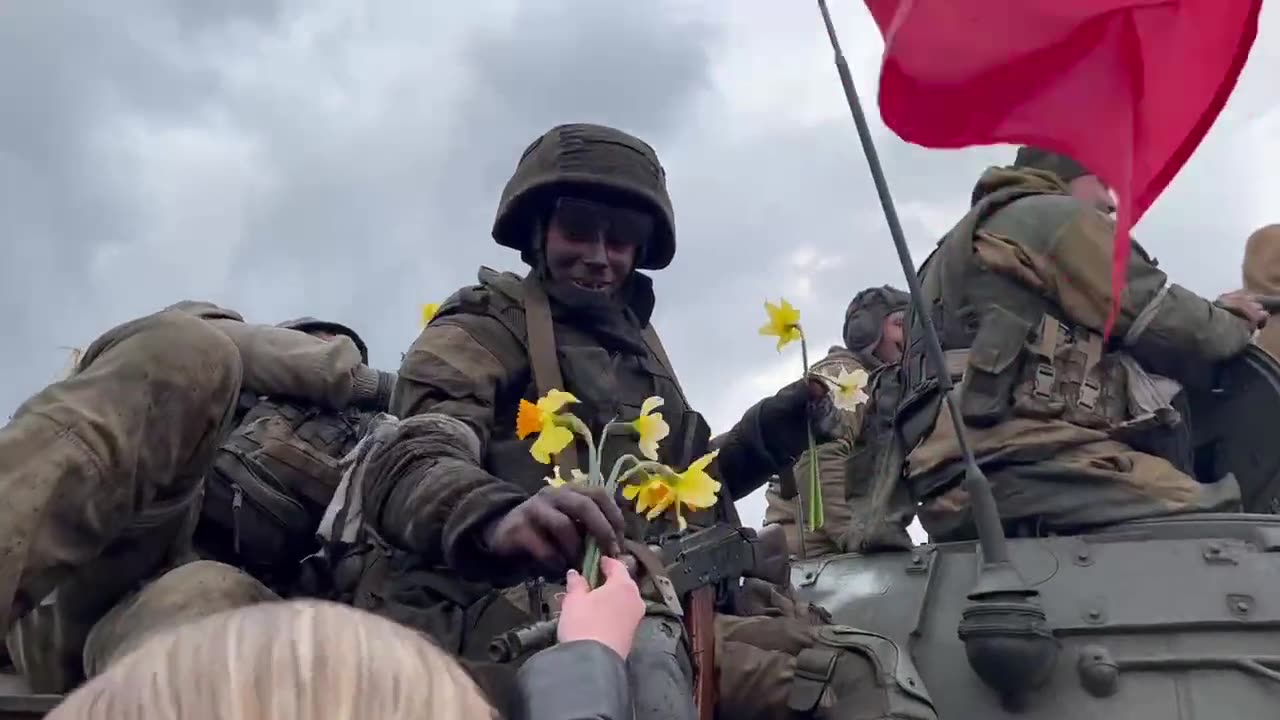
(769, 437)
(1166, 326)
(292, 364)
(437, 498)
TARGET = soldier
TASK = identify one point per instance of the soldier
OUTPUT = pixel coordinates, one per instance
(273, 478)
(1071, 432)
(873, 341)
(1261, 270)
(467, 511)
(101, 476)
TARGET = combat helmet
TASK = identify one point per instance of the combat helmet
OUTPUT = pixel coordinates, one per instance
(864, 319)
(603, 159)
(308, 324)
(1060, 165)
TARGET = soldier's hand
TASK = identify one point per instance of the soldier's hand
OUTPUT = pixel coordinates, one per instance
(1246, 305)
(549, 527)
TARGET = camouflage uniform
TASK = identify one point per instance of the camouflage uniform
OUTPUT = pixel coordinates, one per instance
(101, 480)
(431, 496)
(1071, 432)
(844, 493)
(1261, 270)
(275, 475)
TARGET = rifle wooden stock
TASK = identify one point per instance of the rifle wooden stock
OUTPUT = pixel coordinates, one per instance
(700, 625)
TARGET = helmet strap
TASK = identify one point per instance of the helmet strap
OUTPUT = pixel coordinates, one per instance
(537, 252)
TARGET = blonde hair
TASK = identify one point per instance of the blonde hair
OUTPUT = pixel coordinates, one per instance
(294, 660)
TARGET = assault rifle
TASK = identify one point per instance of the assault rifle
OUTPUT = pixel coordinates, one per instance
(712, 558)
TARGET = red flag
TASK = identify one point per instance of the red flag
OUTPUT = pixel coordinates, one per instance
(1127, 88)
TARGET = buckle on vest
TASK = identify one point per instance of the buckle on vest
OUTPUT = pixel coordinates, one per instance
(1089, 392)
(1042, 387)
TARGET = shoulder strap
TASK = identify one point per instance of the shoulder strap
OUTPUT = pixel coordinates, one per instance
(543, 359)
(651, 341)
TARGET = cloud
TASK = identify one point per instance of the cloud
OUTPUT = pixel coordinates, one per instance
(345, 160)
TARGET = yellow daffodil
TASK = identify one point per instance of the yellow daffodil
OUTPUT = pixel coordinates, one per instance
(784, 323)
(647, 493)
(650, 427)
(693, 488)
(848, 388)
(540, 418)
(429, 311)
(575, 475)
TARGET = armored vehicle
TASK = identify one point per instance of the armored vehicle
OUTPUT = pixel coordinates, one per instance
(1170, 618)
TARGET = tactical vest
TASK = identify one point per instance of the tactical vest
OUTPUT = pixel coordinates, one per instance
(608, 385)
(271, 482)
(1011, 351)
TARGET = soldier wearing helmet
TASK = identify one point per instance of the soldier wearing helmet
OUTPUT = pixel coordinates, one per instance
(471, 523)
(1073, 430)
(327, 330)
(116, 478)
(873, 342)
(1261, 274)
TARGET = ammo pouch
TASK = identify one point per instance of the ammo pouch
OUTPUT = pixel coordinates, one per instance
(1041, 371)
(270, 484)
(986, 395)
(851, 674)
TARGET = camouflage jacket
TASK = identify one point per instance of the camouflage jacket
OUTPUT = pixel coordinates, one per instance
(471, 364)
(304, 403)
(293, 365)
(1020, 292)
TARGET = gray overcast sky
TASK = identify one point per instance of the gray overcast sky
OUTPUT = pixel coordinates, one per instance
(344, 160)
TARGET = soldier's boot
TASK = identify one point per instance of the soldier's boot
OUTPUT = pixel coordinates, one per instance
(774, 668)
(100, 481)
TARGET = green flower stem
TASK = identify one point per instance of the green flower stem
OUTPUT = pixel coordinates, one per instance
(655, 468)
(611, 484)
(591, 563)
(816, 515)
(611, 428)
(591, 558)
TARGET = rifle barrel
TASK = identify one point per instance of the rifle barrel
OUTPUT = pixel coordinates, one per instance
(528, 638)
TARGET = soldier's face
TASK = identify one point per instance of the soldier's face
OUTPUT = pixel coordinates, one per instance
(892, 339)
(594, 245)
(1089, 190)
